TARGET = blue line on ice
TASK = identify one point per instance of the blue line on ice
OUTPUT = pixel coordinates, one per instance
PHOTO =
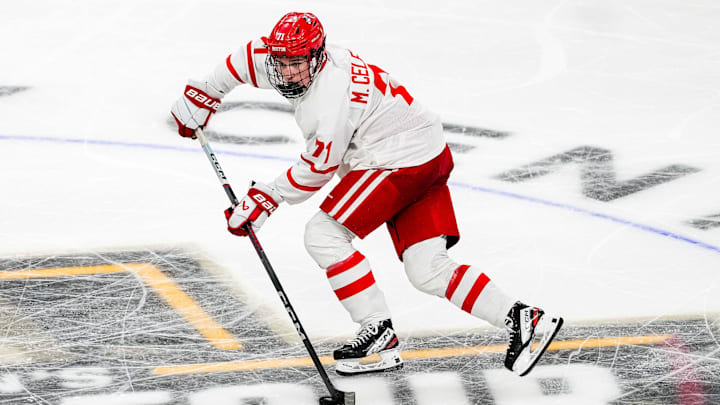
(501, 193)
(626, 222)
(137, 145)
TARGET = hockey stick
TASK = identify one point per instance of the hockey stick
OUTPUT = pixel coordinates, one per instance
(336, 397)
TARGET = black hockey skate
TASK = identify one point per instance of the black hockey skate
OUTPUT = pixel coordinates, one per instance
(377, 337)
(528, 327)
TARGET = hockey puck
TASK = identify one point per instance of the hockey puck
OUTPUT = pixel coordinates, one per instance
(341, 398)
(331, 401)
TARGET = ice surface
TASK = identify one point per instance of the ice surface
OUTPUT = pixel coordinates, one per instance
(596, 196)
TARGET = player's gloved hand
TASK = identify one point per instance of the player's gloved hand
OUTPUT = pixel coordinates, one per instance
(194, 109)
(260, 201)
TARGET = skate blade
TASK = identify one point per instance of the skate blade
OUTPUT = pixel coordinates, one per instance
(389, 360)
(529, 357)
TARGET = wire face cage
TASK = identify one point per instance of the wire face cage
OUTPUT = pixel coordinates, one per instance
(292, 76)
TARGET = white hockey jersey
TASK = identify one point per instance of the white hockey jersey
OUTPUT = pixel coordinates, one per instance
(354, 116)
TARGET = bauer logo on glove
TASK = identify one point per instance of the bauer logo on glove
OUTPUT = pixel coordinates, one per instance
(201, 98)
(267, 205)
(194, 109)
(261, 201)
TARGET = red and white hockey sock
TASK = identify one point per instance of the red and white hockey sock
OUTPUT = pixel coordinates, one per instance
(472, 291)
(354, 285)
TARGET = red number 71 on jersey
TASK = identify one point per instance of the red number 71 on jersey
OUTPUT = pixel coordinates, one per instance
(319, 147)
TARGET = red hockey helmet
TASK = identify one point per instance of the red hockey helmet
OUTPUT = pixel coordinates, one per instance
(296, 52)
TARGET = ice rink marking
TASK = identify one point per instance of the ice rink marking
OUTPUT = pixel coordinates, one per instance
(170, 292)
(642, 227)
(577, 344)
(600, 215)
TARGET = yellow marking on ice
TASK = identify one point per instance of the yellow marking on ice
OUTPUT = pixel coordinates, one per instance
(59, 272)
(608, 342)
(556, 345)
(186, 306)
(159, 282)
(241, 365)
(409, 354)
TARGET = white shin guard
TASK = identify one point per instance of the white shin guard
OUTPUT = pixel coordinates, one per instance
(428, 266)
(327, 241)
(431, 270)
(330, 244)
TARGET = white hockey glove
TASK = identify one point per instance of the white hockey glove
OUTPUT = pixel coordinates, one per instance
(261, 201)
(194, 109)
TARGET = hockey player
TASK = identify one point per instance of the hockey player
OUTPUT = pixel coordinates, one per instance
(389, 150)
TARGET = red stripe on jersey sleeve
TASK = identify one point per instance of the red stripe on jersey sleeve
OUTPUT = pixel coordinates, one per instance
(344, 265)
(251, 64)
(232, 70)
(298, 185)
(314, 170)
(355, 287)
(475, 291)
(261, 50)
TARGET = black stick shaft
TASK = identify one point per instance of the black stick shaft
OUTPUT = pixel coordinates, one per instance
(216, 166)
(268, 267)
(291, 311)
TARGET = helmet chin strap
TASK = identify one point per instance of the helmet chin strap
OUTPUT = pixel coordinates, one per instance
(292, 89)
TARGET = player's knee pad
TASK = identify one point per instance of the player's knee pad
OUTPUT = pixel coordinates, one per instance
(428, 266)
(327, 241)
